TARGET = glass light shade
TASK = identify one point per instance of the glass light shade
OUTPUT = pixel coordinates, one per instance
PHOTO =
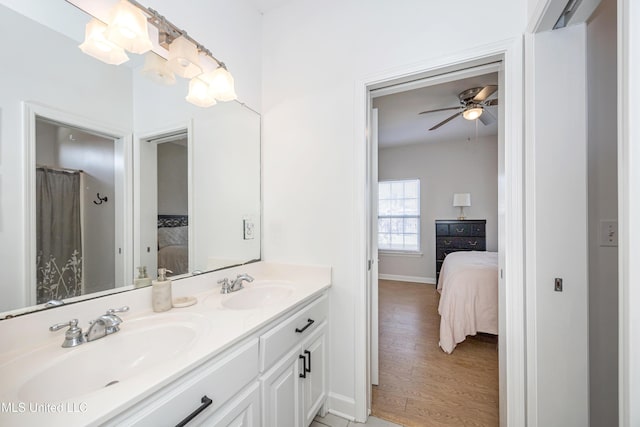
(221, 83)
(96, 44)
(183, 58)
(472, 113)
(155, 68)
(200, 93)
(128, 28)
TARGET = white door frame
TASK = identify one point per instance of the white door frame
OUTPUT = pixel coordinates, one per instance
(124, 197)
(144, 137)
(512, 318)
(628, 212)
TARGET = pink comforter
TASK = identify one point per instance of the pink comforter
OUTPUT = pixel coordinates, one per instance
(468, 285)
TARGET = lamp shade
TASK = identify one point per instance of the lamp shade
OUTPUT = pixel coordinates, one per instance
(183, 58)
(96, 44)
(128, 28)
(156, 69)
(472, 113)
(461, 199)
(221, 84)
(200, 93)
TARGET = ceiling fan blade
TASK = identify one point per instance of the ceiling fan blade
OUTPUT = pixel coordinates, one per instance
(441, 109)
(445, 121)
(491, 102)
(486, 117)
(486, 92)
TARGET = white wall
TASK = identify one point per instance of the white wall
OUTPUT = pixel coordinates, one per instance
(603, 205)
(558, 363)
(313, 55)
(173, 182)
(444, 168)
(53, 74)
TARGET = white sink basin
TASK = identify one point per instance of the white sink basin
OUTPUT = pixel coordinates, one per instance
(257, 295)
(53, 373)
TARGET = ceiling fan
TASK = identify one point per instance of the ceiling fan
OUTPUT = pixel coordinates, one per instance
(472, 106)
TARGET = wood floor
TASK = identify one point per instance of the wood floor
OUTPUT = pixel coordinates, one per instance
(420, 385)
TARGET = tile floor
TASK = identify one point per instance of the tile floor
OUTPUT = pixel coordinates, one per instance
(334, 421)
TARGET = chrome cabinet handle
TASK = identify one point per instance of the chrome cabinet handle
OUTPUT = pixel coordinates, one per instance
(309, 323)
(205, 403)
(473, 243)
(459, 230)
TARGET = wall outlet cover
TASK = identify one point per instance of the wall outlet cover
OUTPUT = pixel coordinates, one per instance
(249, 229)
(608, 233)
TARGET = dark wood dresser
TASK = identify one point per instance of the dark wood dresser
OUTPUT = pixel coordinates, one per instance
(454, 235)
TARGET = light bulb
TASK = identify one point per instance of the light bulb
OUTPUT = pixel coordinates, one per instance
(95, 44)
(200, 93)
(472, 113)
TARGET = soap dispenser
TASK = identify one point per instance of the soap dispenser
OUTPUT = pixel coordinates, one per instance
(161, 291)
(142, 280)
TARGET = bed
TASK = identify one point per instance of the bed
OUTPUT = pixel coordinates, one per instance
(173, 243)
(468, 285)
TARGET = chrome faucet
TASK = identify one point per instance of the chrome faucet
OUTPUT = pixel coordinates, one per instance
(235, 284)
(108, 323)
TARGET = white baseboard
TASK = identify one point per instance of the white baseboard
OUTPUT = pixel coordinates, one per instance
(341, 406)
(414, 279)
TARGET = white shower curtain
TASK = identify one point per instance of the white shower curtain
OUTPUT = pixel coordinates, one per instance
(59, 234)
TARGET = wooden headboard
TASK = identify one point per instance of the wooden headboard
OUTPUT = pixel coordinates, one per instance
(173, 221)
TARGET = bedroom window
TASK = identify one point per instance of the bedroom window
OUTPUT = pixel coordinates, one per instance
(399, 215)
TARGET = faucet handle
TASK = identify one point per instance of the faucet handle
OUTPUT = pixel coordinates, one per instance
(122, 309)
(226, 286)
(73, 336)
(73, 323)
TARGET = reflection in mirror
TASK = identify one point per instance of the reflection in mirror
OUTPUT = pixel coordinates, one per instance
(119, 104)
(75, 217)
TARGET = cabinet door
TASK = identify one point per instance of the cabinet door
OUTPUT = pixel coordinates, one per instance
(314, 386)
(243, 411)
(281, 392)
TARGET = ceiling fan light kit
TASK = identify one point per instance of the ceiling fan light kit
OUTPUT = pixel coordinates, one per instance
(473, 102)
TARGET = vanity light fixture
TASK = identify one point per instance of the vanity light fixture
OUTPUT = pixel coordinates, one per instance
(200, 93)
(155, 68)
(127, 29)
(96, 44)
(183, 58)
(221, 84)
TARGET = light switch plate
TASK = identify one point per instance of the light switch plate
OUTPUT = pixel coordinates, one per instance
(249, 229)
(608, 233)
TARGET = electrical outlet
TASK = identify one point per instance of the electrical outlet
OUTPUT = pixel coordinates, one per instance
(557, 284)
(248, 229)
(609, 233)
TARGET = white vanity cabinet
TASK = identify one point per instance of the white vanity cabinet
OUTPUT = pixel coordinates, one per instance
(207, 387)
(294, 387)
(276, 377)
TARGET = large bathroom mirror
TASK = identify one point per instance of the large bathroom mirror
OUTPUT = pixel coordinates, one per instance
(156, 181)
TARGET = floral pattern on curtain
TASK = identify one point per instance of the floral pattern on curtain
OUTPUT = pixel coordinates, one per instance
(59, 238)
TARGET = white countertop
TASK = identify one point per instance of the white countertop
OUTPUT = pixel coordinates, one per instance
(27, 344)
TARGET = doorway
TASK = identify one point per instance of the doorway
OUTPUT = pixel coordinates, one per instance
(429, 151)
(510, 218)
(77, 177)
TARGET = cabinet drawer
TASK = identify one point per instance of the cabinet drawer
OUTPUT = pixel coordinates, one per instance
(279, 340)
(445, 242)
(219, 380)
(442, 229)
(478, 230)
(441, 253)
(460, 229)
